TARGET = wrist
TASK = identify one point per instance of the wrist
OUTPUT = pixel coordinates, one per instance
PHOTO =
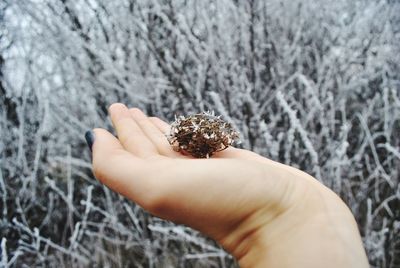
(318, 232)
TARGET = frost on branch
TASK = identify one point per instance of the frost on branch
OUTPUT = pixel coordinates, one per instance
(312, 84)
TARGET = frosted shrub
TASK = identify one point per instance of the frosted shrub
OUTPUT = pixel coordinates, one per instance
(313, 84)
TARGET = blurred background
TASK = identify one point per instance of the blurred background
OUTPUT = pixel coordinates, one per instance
(312, 84)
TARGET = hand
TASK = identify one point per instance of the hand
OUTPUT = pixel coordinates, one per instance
(266, 214)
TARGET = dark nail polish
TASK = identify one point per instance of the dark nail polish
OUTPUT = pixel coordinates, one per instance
(89, 136)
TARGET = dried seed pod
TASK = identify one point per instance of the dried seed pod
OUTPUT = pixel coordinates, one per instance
(201, 135)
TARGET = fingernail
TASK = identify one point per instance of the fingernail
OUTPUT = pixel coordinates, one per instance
(89, 136)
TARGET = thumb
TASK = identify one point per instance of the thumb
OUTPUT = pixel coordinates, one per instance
(117, 168)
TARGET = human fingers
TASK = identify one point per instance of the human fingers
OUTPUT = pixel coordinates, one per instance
(163, 126)
(153, 133)
(130, 134)
(121, 171)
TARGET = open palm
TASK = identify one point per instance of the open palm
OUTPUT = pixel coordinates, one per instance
(237, 197)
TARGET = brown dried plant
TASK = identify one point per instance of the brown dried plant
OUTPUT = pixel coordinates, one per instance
(201, 135)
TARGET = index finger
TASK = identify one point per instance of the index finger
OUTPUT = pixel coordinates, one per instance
(129, 132)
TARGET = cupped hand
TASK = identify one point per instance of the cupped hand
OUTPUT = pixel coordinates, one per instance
(266, 214)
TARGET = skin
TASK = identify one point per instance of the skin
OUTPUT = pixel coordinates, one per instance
(264, 213)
